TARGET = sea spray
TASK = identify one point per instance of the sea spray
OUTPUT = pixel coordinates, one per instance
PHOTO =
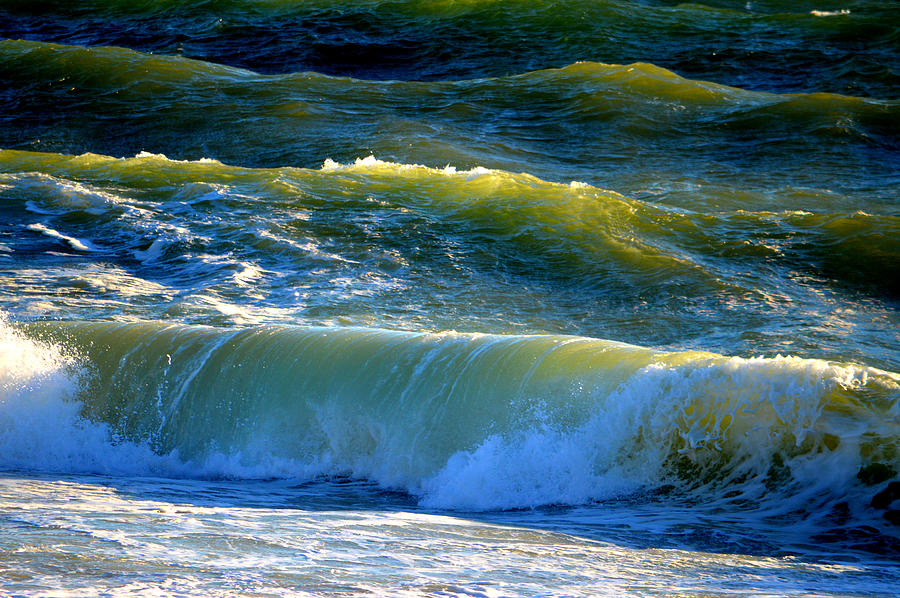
(40, 423)
(756, 429)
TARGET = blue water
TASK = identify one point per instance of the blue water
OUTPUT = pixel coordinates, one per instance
(471, 298)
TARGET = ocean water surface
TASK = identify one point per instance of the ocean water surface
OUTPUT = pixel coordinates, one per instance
(449, 298)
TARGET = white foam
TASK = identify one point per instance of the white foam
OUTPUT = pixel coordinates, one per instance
(142, 155)
(40, 423)
(153, 252)
(537, 468)
(829, 13)
(74, 243)
(372, 163)
(249, 274)
(730, 414)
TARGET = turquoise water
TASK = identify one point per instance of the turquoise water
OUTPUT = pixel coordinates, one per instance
(486, 298)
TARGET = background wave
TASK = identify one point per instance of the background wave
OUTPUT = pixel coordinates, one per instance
(845, 47)
(382, 244)
(637, 128)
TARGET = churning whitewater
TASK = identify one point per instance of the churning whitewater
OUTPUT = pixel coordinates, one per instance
(449, 298)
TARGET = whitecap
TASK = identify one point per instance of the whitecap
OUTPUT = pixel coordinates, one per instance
(829, 13)
(76, 244)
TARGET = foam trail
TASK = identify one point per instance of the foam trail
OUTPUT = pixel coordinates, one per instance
(74, 243)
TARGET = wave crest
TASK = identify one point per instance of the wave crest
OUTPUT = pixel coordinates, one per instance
(463, 421)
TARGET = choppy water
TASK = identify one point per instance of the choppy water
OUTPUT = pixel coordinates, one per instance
(490, 298)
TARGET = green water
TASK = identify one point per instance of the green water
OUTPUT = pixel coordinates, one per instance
(409, 247)
(449, 298)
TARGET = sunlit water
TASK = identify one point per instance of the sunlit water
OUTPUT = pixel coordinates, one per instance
(475, 298)
(121, 536)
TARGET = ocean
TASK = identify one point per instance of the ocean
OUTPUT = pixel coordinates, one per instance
(488, 298)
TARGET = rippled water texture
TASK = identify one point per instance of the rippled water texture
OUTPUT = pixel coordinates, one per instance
(449, 298)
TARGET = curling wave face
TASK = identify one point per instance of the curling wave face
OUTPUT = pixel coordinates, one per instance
(463, 421)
